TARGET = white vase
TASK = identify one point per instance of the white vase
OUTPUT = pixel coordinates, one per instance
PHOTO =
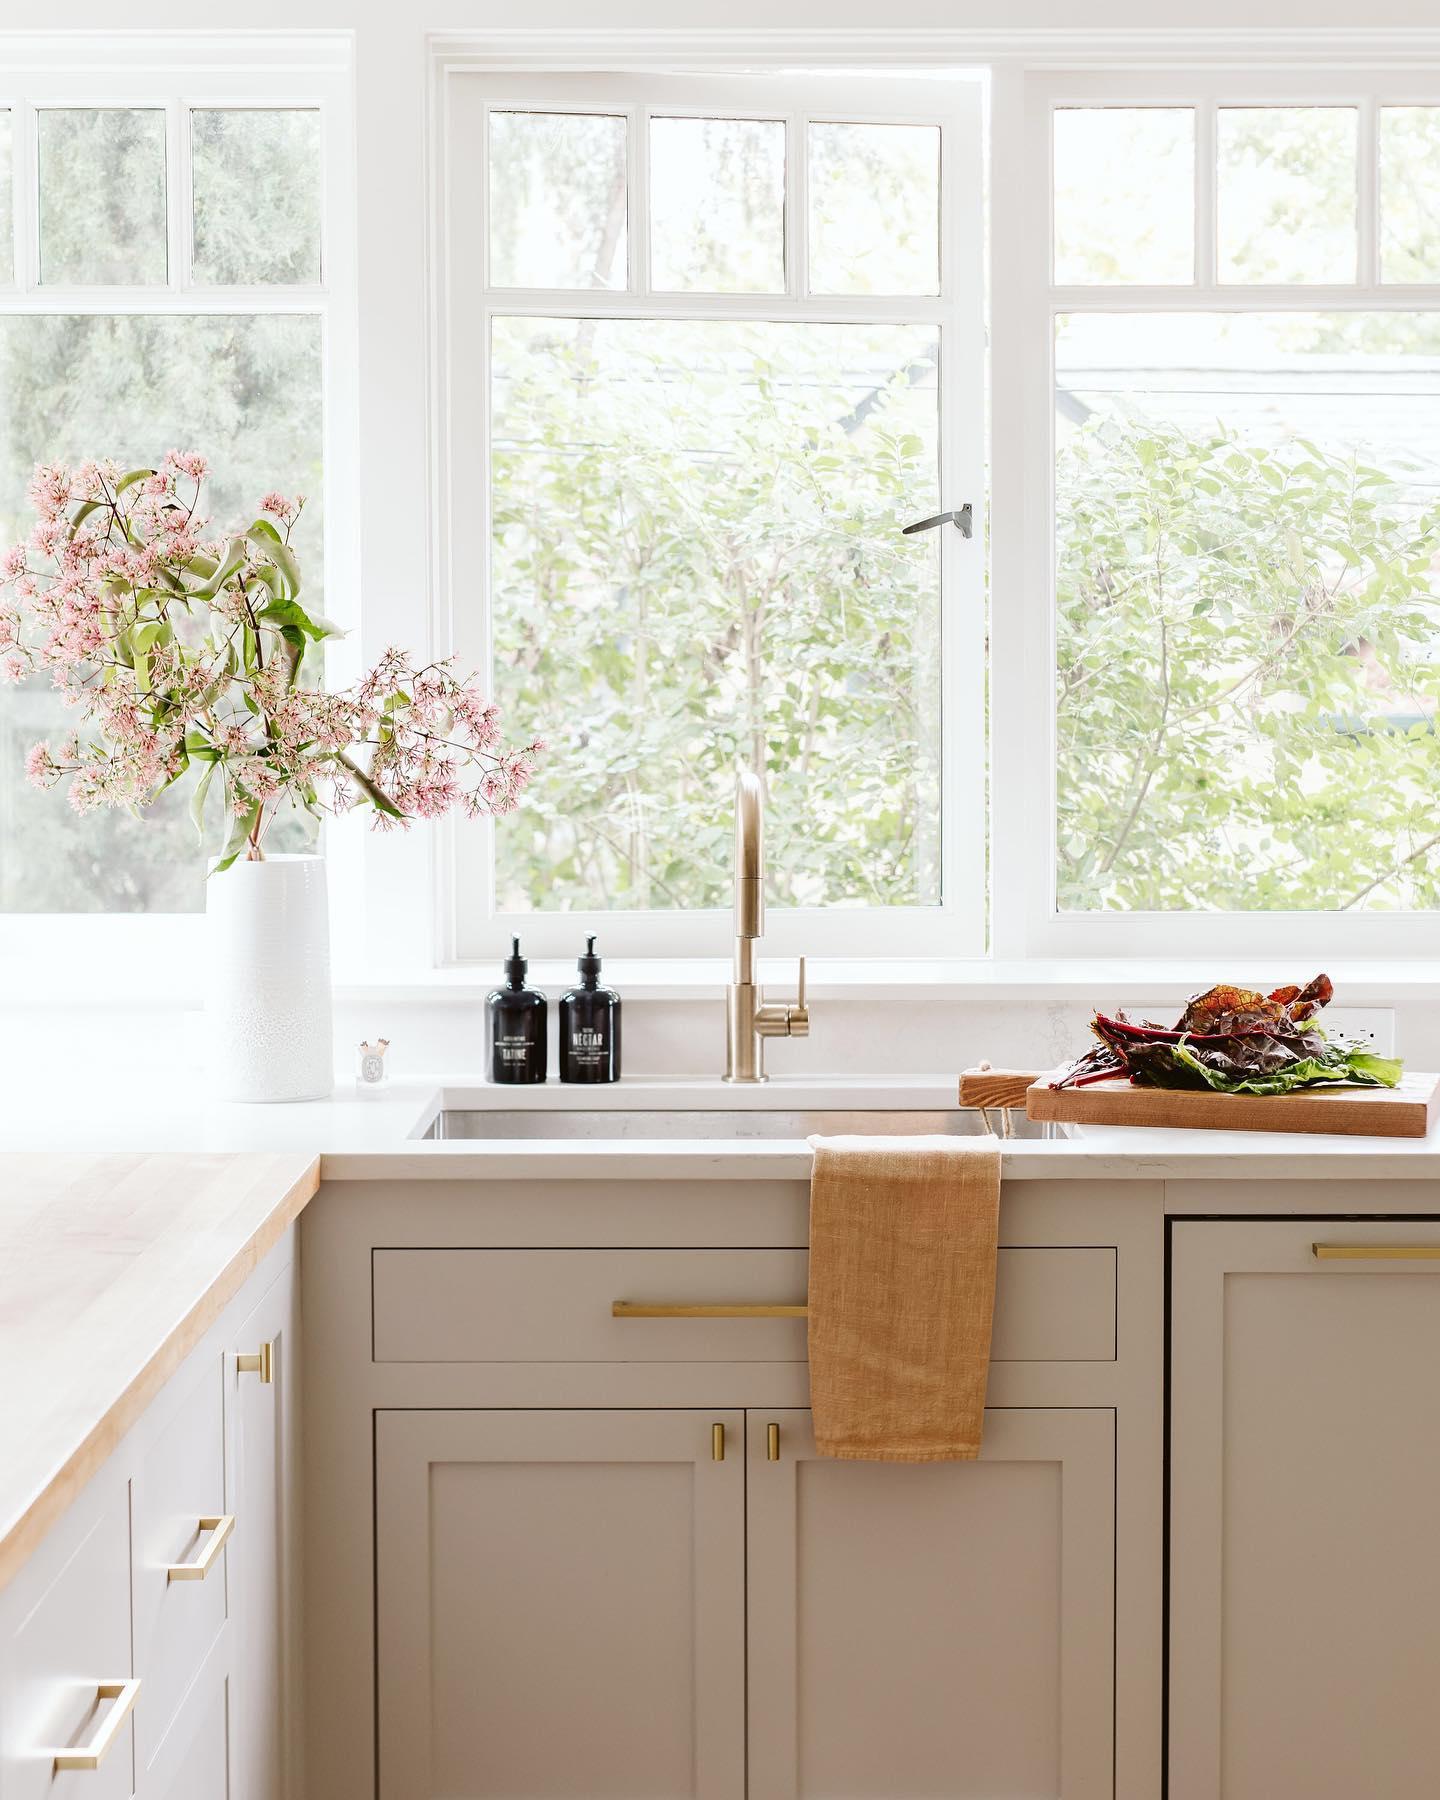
(268, 982)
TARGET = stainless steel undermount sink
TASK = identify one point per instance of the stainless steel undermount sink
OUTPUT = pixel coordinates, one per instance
(737, 1124)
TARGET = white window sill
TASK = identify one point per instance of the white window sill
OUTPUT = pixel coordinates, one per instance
(1106, 982)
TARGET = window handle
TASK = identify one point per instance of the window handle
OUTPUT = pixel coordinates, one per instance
(963, 520)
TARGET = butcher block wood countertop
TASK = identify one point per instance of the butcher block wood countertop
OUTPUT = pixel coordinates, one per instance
(112, 1268)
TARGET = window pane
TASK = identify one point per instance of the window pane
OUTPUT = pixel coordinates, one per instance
(7, 199)
(247, 392)
(102, 196)
(256, 177)
(717, 206)
(874, 209)
(557, 200)
(698, 563)
(1286, 197)
(1410, 193)
(1124, 194)
(1249, 647)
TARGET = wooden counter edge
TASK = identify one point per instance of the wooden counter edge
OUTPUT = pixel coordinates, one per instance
(20, 1539)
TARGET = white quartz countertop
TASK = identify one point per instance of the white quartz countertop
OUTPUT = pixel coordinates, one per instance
(378, 1134)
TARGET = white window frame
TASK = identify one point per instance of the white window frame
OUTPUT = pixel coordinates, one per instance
(469, 926)
(1025, 304)
(256, 71)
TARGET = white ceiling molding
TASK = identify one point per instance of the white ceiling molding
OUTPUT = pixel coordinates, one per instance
(558, 48)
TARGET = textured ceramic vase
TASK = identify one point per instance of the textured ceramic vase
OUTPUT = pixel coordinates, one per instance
(268, 997)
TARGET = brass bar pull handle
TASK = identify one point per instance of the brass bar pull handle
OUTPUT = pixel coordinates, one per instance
(702, 1309)
(260, 1362)
(772, 1443)
(1376, 1252)
(123, 1693)
(219, 1525)
(717, 1443)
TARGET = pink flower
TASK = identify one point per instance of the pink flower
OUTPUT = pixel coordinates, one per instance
(12, 563)
(13, 667)
(49, 489)
(39, 764)
(278, 507)
(188, 462)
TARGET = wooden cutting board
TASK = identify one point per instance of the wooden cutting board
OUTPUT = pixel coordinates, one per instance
(1406, 1111)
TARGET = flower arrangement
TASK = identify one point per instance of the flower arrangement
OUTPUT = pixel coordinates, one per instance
(181, 648)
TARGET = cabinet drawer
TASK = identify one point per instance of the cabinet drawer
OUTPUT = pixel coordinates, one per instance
(67, 1652)
(1051, 1305)
(179, 1489)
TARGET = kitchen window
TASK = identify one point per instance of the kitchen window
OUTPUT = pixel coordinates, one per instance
(171, 251)
(708, 346)
(1233, 283)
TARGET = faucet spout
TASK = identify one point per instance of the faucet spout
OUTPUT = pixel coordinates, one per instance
(749, 856)
(748, 1019)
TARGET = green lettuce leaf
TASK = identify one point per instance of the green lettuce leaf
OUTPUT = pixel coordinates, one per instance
(1340, 1065)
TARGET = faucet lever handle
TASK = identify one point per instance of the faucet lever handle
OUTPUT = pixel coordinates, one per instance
(797, 1017)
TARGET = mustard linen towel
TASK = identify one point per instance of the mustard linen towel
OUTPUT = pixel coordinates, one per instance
(903, 1236)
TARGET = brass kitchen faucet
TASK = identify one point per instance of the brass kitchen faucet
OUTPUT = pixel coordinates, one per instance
(748, 1019)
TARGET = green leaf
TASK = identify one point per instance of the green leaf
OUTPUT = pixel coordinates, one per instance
(244, 824)
(290, 613)
(270, 544)
(368, 788)
(197, 801)
(233, 559)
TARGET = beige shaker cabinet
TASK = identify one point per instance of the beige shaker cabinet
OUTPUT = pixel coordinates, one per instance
(583, 1603)
(561, 1604)
(1305, 1496)
(935, 1629)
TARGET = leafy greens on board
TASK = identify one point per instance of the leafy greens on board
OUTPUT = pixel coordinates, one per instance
(1234, 1041)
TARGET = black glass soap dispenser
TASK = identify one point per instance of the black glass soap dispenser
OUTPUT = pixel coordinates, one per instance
(515, 1018)
(590, 1026)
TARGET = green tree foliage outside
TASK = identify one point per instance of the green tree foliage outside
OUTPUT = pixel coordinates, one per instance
(698, 564)
(1247, 676)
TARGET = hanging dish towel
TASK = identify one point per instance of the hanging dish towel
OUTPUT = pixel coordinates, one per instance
(903, 1235)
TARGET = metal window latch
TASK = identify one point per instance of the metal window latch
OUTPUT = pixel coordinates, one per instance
(963, 520)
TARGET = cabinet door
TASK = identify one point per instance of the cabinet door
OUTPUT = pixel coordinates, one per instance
(262, 1490)
(560, 1601)
(1305, 1489)
(943, 1630)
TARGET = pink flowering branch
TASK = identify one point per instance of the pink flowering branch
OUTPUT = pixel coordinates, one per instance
(186, 654)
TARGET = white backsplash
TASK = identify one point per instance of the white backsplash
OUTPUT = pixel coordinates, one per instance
(895, 1034)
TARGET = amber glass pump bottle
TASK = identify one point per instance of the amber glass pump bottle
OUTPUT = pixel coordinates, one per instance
(590, 1026)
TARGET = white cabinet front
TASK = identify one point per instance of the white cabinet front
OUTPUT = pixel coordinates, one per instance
(1305, 1483)
(561, 1605)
